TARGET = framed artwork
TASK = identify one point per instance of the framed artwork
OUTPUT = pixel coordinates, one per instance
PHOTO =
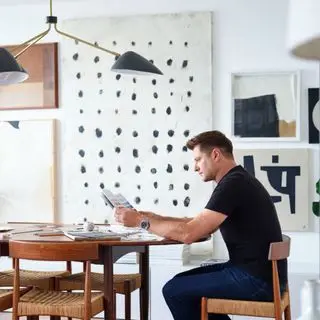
(266, 106)
(313, 115)
(284, 173)
(40, 90)
(27, 170)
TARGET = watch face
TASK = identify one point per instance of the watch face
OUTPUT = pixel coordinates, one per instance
(145, 224)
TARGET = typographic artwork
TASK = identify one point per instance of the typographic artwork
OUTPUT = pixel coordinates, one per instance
(284, 173)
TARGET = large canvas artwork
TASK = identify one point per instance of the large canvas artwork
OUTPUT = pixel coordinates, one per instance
(27, 170)
(266, 106)
(127, 133)
(284, 173)
(314, 115)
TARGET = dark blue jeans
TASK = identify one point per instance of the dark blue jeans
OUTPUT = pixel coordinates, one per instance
(183, 292)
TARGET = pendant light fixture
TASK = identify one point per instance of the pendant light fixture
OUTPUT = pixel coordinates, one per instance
(11, 72)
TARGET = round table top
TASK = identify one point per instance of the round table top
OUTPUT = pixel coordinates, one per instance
(30, 232)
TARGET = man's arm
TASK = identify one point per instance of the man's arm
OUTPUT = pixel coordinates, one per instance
(186, 230)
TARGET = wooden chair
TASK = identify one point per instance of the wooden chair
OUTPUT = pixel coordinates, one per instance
(40, 279)
(274, 309)
(123, 284)
(46, 302)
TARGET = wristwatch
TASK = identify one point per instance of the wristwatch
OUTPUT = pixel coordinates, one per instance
(145, 224)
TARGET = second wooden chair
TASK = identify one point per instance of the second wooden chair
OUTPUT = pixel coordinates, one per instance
(47, 302)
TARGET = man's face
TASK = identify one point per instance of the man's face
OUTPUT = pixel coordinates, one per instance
(205, 164)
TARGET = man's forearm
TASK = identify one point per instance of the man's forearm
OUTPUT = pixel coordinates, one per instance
(151, 215)
(168, 227)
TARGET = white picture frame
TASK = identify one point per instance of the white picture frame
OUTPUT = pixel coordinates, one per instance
(274, 100)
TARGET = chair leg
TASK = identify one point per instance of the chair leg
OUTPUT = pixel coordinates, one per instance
(115, 304)
(127, 300)
(287, 313)
(204, 312)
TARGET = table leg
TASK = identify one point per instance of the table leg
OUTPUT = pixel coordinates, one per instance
(144, 290)
(109, 306)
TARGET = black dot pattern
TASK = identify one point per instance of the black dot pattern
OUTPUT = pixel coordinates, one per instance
(135, 153)
(98, 133)
(132, 130)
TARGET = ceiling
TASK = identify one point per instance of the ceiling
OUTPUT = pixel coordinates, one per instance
(23, 2)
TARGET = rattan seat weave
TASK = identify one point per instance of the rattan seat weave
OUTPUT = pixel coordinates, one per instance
(42, 302)
(76, 282)
(40, 279)
(248, 308)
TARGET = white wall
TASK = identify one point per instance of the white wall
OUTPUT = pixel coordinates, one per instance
(249, 35)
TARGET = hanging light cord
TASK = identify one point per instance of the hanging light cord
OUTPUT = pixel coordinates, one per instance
(53, 20)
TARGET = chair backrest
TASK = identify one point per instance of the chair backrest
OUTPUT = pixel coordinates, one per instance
(280, 250)
(53, 251)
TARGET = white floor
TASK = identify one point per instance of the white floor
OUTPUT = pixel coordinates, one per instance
(8, 316)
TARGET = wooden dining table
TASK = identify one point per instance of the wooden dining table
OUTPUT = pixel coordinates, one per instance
(109, 252)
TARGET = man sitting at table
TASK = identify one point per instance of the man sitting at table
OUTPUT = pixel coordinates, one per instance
(243, 211)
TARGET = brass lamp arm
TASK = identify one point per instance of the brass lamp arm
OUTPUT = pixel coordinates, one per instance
(30, 42)
(86, 42)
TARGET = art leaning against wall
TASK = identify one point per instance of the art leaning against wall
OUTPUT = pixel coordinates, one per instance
(266, 106)
(284, 173)
(128, 133)
(313, 115)
(27, 170)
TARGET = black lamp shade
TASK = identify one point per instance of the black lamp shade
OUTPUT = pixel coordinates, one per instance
(132, 63)
(10, 70)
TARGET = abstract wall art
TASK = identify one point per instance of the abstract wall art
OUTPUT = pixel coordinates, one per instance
(40, 90)
(313, 115)
(127, 133)
(27, 171)
(284, 173)
(266, 106)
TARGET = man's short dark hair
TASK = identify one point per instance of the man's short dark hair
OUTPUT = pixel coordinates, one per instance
(211, 139)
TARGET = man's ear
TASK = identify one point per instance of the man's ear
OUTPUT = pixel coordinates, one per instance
(216, 153)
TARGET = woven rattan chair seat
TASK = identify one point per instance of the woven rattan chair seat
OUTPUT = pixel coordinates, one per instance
(248, 308)
(76, 282)
(39, 279)
(41, 302)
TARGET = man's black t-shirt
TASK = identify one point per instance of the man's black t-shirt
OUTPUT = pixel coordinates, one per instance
(252, 223)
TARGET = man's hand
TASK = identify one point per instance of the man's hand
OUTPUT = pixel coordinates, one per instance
(127, 216)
